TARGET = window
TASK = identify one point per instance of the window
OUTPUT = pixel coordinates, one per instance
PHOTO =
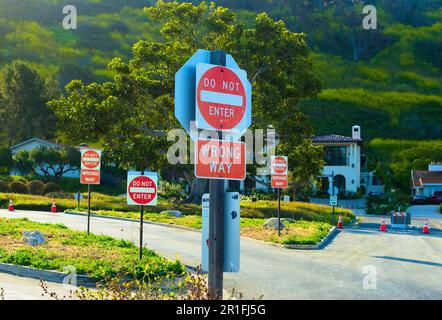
(335, 156)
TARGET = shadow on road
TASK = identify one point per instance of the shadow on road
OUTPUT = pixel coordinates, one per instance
(428, 263)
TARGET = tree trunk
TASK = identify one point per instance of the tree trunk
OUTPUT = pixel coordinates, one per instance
(197, 188)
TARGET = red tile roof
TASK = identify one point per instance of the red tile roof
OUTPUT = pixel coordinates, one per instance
(421, 177)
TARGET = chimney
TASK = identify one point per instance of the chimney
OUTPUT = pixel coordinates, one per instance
(356, 132)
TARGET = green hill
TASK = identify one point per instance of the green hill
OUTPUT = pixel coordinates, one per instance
(392, 88)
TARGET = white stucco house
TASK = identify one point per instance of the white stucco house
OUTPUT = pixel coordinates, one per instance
(344, 159)
(33, 143)
(425, 182)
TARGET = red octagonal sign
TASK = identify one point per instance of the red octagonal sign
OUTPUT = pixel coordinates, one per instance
(221, 98)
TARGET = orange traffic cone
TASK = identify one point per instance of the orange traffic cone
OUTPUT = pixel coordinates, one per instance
(383, 227)
(340, 222)
(54, 206)
(11, 205)
(426, 228)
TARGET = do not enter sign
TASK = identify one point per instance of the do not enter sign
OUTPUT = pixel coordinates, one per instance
(279, 165)
(90, 166)
(91, 159)
(221, 98)
(142, 189)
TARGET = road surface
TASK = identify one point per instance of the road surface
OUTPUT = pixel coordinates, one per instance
(359, 263)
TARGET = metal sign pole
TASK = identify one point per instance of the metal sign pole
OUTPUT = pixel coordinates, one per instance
(279, 213)
(141, 232)
(216, 218)
(88, 208)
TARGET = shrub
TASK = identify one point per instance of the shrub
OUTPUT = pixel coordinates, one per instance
(18, 187)
(3, 186)
(36, 187)
(51, 187)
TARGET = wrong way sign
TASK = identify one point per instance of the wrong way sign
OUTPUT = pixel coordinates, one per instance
(219, 159)
(90, 166)
(222, 98)
(142, 189)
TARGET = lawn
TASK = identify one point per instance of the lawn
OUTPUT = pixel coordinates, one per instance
(97, 256)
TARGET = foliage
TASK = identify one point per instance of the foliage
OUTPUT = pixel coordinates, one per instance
(131, 115)
(51, 187)
(393, 160)
(18, 187)
(49, 163)
(36, 187)
(23, 97)
(4, 186)
(97, 256)
(6, 162)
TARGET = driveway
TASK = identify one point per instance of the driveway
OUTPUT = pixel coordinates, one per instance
(359, 263)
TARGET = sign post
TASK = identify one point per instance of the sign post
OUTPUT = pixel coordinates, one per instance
(213, 91)
(279, 170)
(90, 174)
(142, 190)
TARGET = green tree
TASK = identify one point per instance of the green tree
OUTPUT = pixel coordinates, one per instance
(131, 115)
(23, 98)
(48, 163)
(6, 162)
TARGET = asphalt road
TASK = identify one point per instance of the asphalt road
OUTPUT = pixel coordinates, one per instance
(392, 265)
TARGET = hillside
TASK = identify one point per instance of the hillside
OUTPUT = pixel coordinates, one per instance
(392, 89)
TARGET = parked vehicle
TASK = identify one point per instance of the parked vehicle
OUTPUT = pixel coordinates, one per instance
(419, 200)
(436, 197)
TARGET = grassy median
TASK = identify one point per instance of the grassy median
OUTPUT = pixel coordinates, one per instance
(97, 256)
(309, 222)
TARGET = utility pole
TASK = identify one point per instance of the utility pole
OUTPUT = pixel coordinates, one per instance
(216, 217)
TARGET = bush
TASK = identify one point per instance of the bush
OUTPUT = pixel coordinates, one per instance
(36, 187)
(18, 187)
(51, 187)
(3, 186)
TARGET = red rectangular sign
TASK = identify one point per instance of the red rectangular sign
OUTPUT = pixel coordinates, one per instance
(280, 181)
(219, 159)
(89, 176)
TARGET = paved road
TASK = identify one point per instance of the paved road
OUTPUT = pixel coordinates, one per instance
(405, 265)
(20, 288)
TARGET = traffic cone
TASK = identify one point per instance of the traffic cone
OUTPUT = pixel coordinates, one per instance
(11, 205)
(340, 222)
(426, 228)
(383, 227)
(54, 206)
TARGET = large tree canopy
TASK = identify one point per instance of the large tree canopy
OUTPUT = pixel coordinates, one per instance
(23, 98)
(130, 115)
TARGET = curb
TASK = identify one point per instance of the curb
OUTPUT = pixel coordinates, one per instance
(174, 226)
(46, 275)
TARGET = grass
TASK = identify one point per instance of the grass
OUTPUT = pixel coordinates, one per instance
(97, 256)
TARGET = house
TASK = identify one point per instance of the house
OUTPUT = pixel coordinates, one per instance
(344, 159)
(425, 182)
(33, 143)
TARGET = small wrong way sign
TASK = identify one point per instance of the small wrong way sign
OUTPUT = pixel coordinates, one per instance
(220, 159)
(142, 188)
